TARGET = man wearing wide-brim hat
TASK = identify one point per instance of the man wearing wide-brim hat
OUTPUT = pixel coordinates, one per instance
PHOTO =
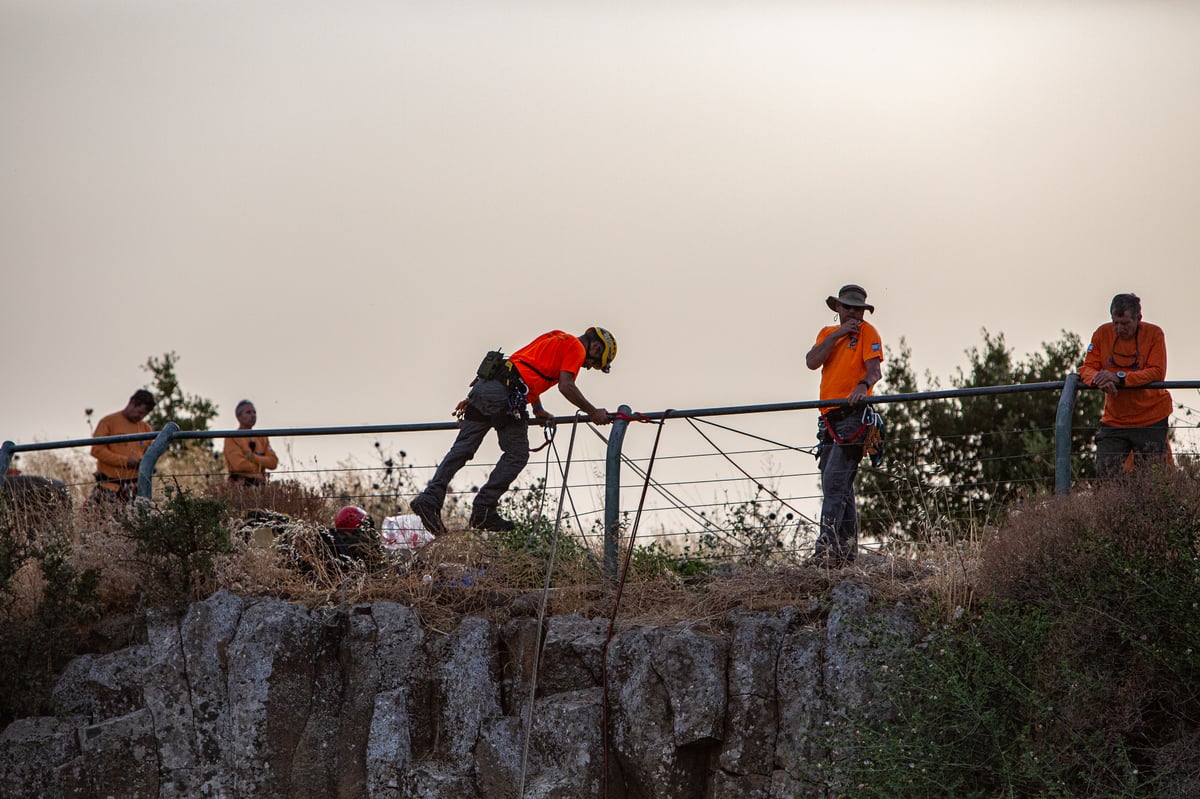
(850, 357)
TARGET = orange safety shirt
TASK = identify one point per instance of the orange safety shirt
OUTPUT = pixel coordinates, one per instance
(541, 361)
(112, 459)
(847, 363)
(1143, 360)
(238, 458)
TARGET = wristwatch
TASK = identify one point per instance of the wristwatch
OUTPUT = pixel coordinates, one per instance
(1120, 378)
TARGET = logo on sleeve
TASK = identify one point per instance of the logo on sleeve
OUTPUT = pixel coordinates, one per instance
(875, 347)
(1091, 346)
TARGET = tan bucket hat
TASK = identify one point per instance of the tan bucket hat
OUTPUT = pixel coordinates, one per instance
(852, 295)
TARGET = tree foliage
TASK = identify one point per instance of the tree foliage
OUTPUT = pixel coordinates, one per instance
(189, 411)
(954, 462)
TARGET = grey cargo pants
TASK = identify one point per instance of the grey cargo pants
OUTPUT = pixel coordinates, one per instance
(489, 399)
(838, 464)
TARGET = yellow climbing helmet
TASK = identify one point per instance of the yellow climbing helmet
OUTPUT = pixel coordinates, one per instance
(610, 347)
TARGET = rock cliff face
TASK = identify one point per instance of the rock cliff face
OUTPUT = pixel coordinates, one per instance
(262, 698)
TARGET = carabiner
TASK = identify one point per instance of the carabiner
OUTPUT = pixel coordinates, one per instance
(548, 428)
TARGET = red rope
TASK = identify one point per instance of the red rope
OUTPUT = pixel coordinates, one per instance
(633, 417)
(548, 431)
(862, 428)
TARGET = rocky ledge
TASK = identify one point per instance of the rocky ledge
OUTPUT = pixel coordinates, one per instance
(263, 698)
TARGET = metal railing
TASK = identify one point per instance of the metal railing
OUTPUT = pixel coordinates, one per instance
(161, 439)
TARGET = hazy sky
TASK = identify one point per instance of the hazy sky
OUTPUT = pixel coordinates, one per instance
(334, 209)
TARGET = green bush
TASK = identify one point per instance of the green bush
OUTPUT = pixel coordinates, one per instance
(179, 541)
(527, 547)
(1077, 675)
(757, 532)
(653, 560)
(40, 620)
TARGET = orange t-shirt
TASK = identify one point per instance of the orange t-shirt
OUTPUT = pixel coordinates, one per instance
(541, 361)
(847, 364)
(238, 461)
(112, 459)
(1144, 360)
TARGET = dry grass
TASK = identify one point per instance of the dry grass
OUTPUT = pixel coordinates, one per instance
(1116, 687)
(1059, 537)
(72, 467)
(287, 497)
(100, 544)
(463, 573)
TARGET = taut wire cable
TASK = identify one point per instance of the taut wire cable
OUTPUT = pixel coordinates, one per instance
(677, 503)
(612, 621)
(780, 500)
(537, 640)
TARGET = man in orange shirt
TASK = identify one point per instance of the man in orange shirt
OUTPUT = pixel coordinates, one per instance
(117, 464)
(249, 459)
(849, 356)
(1125, 354)
(497, 402)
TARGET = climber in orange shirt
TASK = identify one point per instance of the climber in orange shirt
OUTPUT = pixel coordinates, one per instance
(497, 400)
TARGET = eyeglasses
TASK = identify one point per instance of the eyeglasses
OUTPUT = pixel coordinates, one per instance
(1134, 358)
(1132, 366)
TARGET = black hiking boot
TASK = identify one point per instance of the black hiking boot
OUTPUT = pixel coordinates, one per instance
(429, 512)
(490, 520)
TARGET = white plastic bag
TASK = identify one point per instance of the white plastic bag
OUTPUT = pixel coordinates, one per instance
(404, 532)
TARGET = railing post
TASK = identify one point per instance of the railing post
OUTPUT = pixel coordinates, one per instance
(6, 453)
(612, 491)
(1062, 435)
(150, 459)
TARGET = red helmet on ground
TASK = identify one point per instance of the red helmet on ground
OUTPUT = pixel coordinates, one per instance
(351, 518)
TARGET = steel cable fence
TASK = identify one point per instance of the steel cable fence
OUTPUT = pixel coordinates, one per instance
(739, 493)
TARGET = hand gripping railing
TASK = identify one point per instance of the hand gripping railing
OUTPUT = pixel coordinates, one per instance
(612, 490)
(1062, 424)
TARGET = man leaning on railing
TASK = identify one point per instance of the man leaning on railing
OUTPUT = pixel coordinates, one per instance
(117, 464)
(1127, 353)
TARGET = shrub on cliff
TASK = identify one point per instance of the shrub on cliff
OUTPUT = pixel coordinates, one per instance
(1077, 673)
(178, 541)
(44, 601)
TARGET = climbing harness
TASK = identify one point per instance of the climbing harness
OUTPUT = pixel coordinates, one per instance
(830, 427)
(869, 434)
(495, 366)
